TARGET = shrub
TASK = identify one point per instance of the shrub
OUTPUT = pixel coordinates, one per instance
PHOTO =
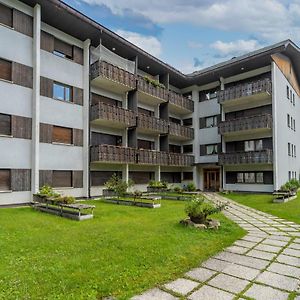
(198, 209)
(137, 194)
(153, 82)
(157, 184)
(64, 200)
(190, 187)
(291, 185)
(177, 189)
(47, 190)
(118, 185)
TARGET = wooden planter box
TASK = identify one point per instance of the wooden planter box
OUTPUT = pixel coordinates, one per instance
(133, 203)
(108, 193)
(151, 189)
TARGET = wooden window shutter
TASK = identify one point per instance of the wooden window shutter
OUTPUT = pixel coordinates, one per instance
(22, 75)
(218, 119)
(47, 41)
(202, 150)
(219, 148)
(5, 69)
(6, 15)
(77, 179)
(5, 124)
(78, 55)
(78, 96)
(46, 87)
(21, 180)
(46, 133)
(63, 47)
(5, 180)
(45, 177)
(62, 135)
(21, 127)
(62, 179)
(78, 137)
(202, 122)
(22, 23)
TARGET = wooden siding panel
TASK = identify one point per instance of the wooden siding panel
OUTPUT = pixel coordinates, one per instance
(47, 41)
(5, 69)
(5, 15)
(78, 96)
(98, 178)
(78, 179)
(45, 177)
(22, 23)
(141, 177)
(21, 180)
(22, 75)
(5, 181)
(5, 124)
(62, 135)
(62, 179)
(46, 133)
(78, 55)
(63, 47)
(21, 127)
(78, 137)
(46, 87)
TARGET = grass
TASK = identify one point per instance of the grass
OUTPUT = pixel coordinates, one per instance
(121, 252)
(264, 202)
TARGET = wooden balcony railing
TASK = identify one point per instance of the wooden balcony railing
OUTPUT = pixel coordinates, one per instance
(246, 89)
(181, 131)
(113, 113)
(181, 101)
(148, 88)
(152, 123)
(112, 154)
(251, 157)
(247, 123)
(105, 69)
(179, 159)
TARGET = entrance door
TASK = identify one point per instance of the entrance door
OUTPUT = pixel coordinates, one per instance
(211, 179)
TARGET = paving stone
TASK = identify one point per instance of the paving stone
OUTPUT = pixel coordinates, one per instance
(284, 270)
(292, 252)
(289, 260)
(260, 292)
(278, 281)
(241, 271)
(200, 274)
(294, 246)
(297, 234)
(274, 242)
(216, 264)
(210, 293)
(280, 238)
(181, 286)
(268, 248)
(228, 283)
(261, 254)
(237, 249)
(251, 238)
(155, 294)
(243, 260)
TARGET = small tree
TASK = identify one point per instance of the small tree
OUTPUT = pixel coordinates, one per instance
(117, 185)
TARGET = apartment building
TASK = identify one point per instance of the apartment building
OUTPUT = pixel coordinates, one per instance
(79, 103)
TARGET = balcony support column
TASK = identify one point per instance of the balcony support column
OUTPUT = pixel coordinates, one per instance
(125, 172)
(196, 176)
(157, 173)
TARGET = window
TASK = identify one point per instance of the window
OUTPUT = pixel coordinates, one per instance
(249, 177)
(187, 122)
(294, 99)
(62, 179)
(288, 121)
(258, 145)
(208, 95)
(187, 148)
(187, 175)
(260, 177)
(62, 92)
(5, 180)
(294, 124)
(290, 176)
(287, 92)
(62, 135)
(289, 149)
(63, 49)
(211, 121)
(212, 149)
(249, 146)
(240, 177)
(5, 69)
(291, 95)
(6, 15)
(5, 124)
(294, 150)
(211, 95)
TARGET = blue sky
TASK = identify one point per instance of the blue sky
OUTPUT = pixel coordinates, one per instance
(193, 34)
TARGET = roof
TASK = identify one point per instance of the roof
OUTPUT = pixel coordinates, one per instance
(67, 19)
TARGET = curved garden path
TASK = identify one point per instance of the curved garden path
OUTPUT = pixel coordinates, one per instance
(263, 265)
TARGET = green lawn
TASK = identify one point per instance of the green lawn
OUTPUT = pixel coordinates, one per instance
(289, 210)
(121, 252)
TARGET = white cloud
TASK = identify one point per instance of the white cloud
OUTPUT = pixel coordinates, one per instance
(272, 20)
(148, 43)
(235, 48)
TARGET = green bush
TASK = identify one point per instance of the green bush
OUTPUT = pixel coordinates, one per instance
(291, 185)
(153, 82)
(177, 189)
(157, 184)
(198, 209)
(64, 200)
(190, 187)
(47, 190)
(118, 185)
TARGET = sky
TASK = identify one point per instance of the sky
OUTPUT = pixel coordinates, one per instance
(193, 34)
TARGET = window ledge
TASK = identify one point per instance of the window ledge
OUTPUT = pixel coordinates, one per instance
(64, 101)
(62, 188)
(5, 136)
(62, 144)
(7, 26)
(7, 81)
(5, 191)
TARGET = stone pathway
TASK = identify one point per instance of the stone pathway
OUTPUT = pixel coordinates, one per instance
(263, 265)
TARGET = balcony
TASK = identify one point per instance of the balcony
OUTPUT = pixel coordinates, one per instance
(148, 93)
(245, 158)
(181, 160)
(149, 124)
(247, 95)
(180, 132)
(247, 125)
(112, 116)
(112, 78)
(113, 154)
(180, 104)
